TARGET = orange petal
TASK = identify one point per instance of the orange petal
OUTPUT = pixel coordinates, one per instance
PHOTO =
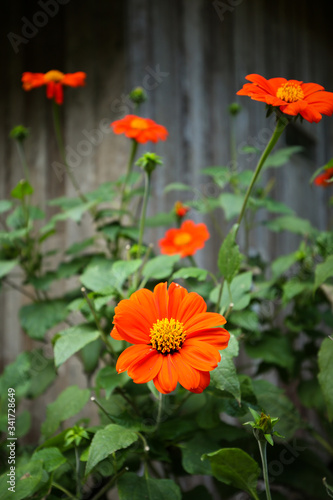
(166, 380)
(218, 337)
(203, 321)
(188, 377)
(146, 367)
(74, 79)
(191, 305)
(176, 295)
(161, 300)
(115, 335)
(261, 81)
(204, 382)
(130, 355)
(146, 305)
(199, 355)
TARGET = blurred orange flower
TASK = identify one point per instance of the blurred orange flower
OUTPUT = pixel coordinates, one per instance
(175, 339)
(325, 179)
(186, 240)
(292, 97)
(54, 81)
(180, 209)
(140, 129)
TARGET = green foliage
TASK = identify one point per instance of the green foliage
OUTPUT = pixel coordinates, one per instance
(234, 466)
(229, 258)
(325, 361)
(133, 487)
(36, 319)
(71, 340)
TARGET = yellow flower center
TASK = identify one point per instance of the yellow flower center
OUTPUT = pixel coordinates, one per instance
(167, 335)
(182, 239)
(290, 92)
(139, 123)
(54, 76)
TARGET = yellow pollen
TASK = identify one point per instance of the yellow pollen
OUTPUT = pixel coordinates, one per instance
(167, 335)
(182, 239)
(139, 123)
(290, 92)
(54, 76)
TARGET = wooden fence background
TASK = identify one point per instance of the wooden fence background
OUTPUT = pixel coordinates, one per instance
(191, 56)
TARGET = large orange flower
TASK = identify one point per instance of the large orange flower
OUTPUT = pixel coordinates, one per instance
(186, 240)
(325, 179)
(140, 129)
(292, 96)
(175, 339)
(54, 81)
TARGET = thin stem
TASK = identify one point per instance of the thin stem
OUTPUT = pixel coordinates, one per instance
(144, 211)
(109, 484)
(58, 131)
(322, 441)
(191, 259)
(217, 308)
(280, 126)
(97, 403)
(23, 159)
(263, 455)
(77, 470)
(120, 390)
(19, 289)
(159, 411)
(128, 173)
(61, 488)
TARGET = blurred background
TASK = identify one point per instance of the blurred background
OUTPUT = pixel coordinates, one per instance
(191, 57)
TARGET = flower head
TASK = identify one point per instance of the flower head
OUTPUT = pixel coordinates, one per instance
(292, 97)
(149, 161)
(140, 129)
(175, 339)
(54, 81)
(180, 209)
(325, 179)
(186, 240)
(262, 426)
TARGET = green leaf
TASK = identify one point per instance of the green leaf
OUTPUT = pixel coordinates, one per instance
(161, 219)
(239, 289)
(36, 319)
(122, 270)
(72, 340)
(231, 204)
(23, 423)
(5, 205)
(67, 404)
(90, 355)
(97, 274)
(74, 213)
(224, 377)
(221, 175)
(51, 458)
(133, 487)
(192, 452)
(235, 467)
(108, 378)
(79, 246)
(325, 376)
(22, 189)
(282, 156)
(6, 266)
(292, 224)
(293, 287)
(229, 258)
(160, 267)
(283, 263)
(323, 271)
(108, 440)
(245, 319)
(177, 186)
(190, 272)
(30, 477)
(275, 349)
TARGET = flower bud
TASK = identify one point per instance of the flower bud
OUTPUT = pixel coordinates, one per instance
(138, 95)
(19, 133)
(149, 161)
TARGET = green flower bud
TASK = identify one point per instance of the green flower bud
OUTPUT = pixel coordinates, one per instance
(149, 161)
(19, 133)
(138, 95)
(234, 108)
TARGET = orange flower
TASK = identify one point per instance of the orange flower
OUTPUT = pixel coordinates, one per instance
(175, 339)
(180, 209)
(325, 179)
(54, 81)
(292, 96)
(140, 129)
(186, 240)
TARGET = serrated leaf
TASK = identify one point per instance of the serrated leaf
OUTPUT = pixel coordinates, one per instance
(108, 378)
(30, 477)
(231, 204)
(325, 376)
(52, 458)
(108, 440)
(67, 404)
(122, 270)
(133, 487)
(235, 467)
(239, 290)
(229, 258)
(160, 267)
(6, 266)
(323, 271)
(22, 189)
(192, 452)
(36, 319)
(72, 340)
(224, 377)
(190, 272)
(283, 263)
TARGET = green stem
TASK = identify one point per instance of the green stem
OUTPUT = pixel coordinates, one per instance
(23, 159)
(57, 127)
(144, 211)
(61, 488)
(97, 403)
(128, 173)
(322, 441)
(159, 411)
(280, 126)
(263, 455)
(78, 480)
(191, 259)
(109, 484)
(217, 308)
